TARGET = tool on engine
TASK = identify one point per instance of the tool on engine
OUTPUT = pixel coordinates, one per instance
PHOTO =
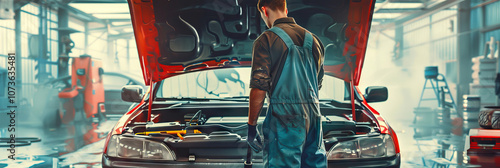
(176, 132)
(200, 118)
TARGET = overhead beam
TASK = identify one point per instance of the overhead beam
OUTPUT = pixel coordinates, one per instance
(112, 27)
(408, 1)
(18, 4)
(484, 4)
(383, 20)
(119, 20)
(403, 1)
(398, 10)
(109, 13)
(121, 36)
(99, 1)
(490, 28)
(418, 15)
(80, 14)
(427, 12)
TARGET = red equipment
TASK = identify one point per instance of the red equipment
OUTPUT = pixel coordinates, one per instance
(86, 93)
(484, 147)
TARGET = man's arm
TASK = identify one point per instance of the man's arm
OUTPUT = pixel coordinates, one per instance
(256, 101)
(320, 53)
(257, 98)
(260, 78)
(320, 76)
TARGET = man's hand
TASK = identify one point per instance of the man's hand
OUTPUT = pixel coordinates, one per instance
(257, 97)
(253, 138)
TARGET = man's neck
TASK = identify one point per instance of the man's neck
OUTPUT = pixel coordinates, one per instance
(278, 16)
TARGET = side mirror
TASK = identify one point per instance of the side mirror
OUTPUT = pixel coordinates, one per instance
(376, 94)
(132, 93)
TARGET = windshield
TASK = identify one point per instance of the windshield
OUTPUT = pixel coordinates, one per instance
(230, 82)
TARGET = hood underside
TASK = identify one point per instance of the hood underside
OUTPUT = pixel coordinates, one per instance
(179, 36)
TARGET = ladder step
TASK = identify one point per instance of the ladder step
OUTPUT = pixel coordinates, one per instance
(439, 85)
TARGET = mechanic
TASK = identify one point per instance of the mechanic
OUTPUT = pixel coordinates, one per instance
(287, 66)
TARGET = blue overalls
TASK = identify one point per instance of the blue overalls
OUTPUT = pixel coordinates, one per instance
(292, 128)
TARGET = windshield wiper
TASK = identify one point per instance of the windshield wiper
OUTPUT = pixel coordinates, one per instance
(182, 99)
(235, 98)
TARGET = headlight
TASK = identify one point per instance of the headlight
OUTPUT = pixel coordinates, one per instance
(129, 147)
(368, 147)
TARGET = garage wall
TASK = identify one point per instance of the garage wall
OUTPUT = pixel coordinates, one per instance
(7, 34)
(431, 41)
(486, 21)
(30, 28)
(97, 46)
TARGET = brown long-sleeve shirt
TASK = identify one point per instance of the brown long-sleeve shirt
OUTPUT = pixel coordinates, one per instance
(269, 53)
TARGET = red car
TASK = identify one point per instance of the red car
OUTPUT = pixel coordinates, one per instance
(195, 57)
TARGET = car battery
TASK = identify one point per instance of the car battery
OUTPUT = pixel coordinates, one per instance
(484, 147)
(337, 126)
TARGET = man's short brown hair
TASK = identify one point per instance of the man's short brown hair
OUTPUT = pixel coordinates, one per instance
(273, 4)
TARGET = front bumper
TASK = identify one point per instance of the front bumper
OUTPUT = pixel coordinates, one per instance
(389, 162)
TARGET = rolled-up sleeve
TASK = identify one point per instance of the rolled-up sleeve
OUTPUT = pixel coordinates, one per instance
(321, 73)
(320, 57)
(261, 63)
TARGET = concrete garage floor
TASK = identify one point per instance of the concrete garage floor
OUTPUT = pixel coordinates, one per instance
(398, 112)
(78, 145)
(81, 145)
(74, 145)
(404, 87)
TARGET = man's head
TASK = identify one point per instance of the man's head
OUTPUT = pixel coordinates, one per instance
(270, 10)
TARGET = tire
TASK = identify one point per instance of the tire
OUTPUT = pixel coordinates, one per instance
(485, 118)
(495, 120)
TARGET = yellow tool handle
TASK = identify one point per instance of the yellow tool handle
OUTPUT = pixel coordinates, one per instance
(176, 132)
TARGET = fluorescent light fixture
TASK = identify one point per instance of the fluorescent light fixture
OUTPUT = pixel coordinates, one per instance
(386, 15)
(102, 7)
(393, 5)
(114, 32)
(128, 30)
(112, 16)
(121, 23)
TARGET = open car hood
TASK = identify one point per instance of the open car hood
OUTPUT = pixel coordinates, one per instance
(179, 36)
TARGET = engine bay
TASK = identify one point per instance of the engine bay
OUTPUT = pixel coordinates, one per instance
(229, 123)
(216, 131)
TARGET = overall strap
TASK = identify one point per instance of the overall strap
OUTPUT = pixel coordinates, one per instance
(308, 41)
(283, 35)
